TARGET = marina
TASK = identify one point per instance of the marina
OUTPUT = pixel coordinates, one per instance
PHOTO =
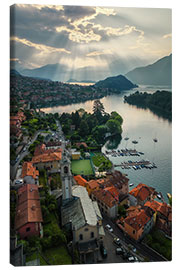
(124, 152)
(136, 165)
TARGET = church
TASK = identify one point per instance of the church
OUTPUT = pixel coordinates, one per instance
(80, 215)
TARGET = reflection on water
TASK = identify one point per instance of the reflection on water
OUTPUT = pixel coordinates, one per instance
(113, 142)
(141, 125)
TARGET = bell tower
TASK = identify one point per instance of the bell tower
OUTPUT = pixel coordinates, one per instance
(66, 177)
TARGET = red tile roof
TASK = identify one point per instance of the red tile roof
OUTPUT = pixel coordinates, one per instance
(105, 197)
(80, 180)
(137, 221)
(50, 157)
(41, 149)
(93, 184)
(28, 207)
(114, 192)
(29, 170)
(142, 191)
(117, 179)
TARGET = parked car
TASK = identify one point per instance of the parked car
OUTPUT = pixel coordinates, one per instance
(131, 259)
(103, 251)
(117, 241)
(109, 228)
(119, 251)
(18, 182)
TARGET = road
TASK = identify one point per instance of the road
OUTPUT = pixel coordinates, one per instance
(143, 250)
(13, 168)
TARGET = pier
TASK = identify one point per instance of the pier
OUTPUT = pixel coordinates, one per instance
(124, 152)
(136, 165)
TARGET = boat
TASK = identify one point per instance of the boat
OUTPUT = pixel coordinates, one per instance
(155, 140)
(135, 141)
(132, 184)
(126, 138)
(169, 195)
(159, 196)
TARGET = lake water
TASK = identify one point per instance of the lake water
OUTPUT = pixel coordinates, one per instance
(140, 125)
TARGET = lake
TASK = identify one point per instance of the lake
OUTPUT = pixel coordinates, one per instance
(143, 126)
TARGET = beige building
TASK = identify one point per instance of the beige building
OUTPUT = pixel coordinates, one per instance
(84, 218)
(49, 162)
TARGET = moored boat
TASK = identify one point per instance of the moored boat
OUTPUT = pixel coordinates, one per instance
(131, 184)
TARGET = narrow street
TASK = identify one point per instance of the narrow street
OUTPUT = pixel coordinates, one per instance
(143, 250)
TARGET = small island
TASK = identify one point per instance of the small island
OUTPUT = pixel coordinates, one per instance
(160, 102)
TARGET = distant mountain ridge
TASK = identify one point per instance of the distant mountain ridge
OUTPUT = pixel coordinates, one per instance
(158, 73)
(85, 81)
(119, 82)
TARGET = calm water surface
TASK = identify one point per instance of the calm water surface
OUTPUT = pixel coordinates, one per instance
(141, 125)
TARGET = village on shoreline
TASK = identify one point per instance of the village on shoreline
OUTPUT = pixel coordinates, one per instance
(68, 203)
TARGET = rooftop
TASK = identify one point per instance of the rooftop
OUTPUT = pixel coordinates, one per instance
(55, 156)
(86, 203)
(142, 191)
(80, 180)
(29, 170)
(28, 207)
(138, 220)
(93, 184)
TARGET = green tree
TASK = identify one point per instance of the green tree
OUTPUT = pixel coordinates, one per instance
(83, 129)
(98, 107)
(114, 127)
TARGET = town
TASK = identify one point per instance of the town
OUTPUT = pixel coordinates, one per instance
(69, 204)
(46, 93)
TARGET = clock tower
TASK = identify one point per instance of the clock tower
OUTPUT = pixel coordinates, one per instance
(66, 176)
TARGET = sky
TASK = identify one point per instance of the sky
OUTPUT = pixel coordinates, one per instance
(92, 38)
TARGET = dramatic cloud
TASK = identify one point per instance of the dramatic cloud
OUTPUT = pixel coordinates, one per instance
(41, 47)
(82, 36)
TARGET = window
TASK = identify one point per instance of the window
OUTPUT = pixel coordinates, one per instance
(92, 234)
(28, 229)
(80, 237)
(86, 229)
(65, 169)
(133, 231)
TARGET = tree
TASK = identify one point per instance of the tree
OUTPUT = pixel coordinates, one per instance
(114, 126)
(75, 119)
(98, 107)
(98, 110)
(83, 129)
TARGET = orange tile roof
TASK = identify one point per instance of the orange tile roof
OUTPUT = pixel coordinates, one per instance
(41, 149)
(153, 204)
(29, 170)
(93, 184)
(114, 192)
(142, 191)
(80, 180)
(105, 197)
(117, 179)
(28, 207)
(137, 221)
(165, 210)
(50, 157)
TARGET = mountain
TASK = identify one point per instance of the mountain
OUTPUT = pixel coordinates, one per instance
(158, 73)
(119, 82)
(52, 72)
(14, 72)
(61, 72)
(84, 81)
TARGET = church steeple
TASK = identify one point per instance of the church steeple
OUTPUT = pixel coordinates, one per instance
(66, 176)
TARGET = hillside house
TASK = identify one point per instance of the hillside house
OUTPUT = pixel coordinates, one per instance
(28, 219)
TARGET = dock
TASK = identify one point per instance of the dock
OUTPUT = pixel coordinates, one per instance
(124, 152)
(136, 165)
